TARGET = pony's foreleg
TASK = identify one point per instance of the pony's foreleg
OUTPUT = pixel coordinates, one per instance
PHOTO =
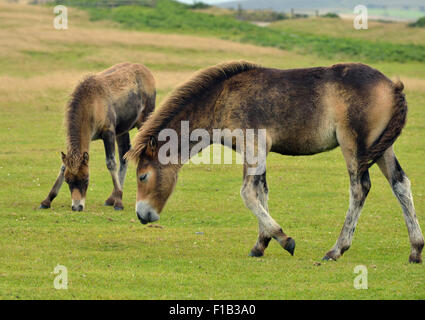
(124, 145)
(400, 185)
(254, 194)
(55, 189)
(359, 188)
(115, 199)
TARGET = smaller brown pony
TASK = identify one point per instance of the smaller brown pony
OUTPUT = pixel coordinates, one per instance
(103, 106)
(304, 112)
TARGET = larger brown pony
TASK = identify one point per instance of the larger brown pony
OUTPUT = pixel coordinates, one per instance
(304, 112)
(103, 106)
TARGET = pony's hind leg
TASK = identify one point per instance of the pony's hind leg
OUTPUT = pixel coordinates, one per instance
(254, 194)
(400, 185)
(124, 145)
(115, 199)
(359, 189)
(55, 189)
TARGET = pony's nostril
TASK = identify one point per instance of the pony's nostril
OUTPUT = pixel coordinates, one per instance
(145, 213)
(143, 221)
(77, 208)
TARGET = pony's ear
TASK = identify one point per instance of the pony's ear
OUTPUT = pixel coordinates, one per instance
(63, 157)
(134, 154)
(85, 158)
(152, 146)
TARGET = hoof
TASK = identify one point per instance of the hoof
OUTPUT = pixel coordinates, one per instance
(43, 206)
(415, 259)
(106, 204)
(256, 253)
(326, 258)
(118, 208)
(290, 246)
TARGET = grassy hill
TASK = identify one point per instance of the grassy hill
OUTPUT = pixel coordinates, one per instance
(395, 32)
(171, 16)
(202, 250)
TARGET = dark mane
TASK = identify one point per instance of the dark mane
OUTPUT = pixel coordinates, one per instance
(181, 97)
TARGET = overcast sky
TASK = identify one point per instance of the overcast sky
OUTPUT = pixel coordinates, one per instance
(205, 1)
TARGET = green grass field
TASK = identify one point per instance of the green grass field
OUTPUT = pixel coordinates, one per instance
(201, 251)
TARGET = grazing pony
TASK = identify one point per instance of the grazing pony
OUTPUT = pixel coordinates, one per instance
(103, 106)
(304, 112)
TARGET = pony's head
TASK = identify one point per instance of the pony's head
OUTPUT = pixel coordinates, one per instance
(77, 177)
(155, 182)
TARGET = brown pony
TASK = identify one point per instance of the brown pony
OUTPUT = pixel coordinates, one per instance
(304, 112)
(103, 106)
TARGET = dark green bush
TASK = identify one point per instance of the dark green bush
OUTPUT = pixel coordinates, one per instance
(199, 5)
(260, 15)
(330, 15)
(420, 23)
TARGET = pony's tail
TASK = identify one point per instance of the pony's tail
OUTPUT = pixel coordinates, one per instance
(134, 153)
(391, 132)
(150, 103)
(149, 107)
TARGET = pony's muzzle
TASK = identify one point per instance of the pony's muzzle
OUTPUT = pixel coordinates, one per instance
(146, 213)
(77, 205)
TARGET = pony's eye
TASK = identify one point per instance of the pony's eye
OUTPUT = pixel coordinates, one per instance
(143, 177)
